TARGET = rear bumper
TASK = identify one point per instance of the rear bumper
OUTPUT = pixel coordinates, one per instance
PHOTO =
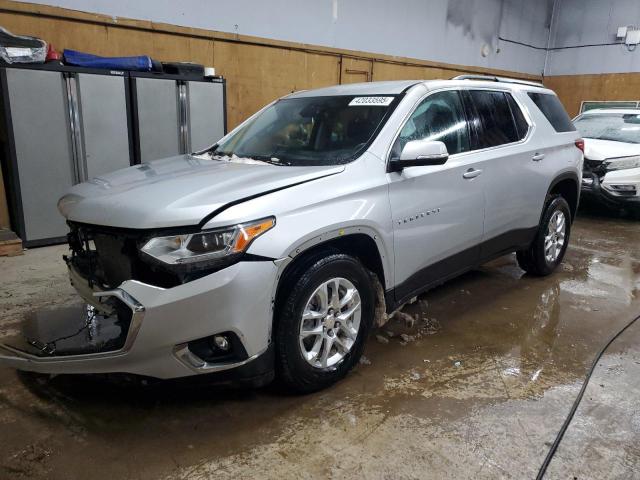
(237, 299)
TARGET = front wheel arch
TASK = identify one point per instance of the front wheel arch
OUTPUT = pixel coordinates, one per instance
(358, 245)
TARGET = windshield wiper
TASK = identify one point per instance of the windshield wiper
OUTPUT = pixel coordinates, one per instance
(258, 158)
(268, 159)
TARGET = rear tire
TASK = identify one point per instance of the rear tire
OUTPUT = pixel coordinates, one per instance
(317, 351)
(550, 244)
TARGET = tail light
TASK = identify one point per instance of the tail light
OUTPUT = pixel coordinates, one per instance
(580, 144)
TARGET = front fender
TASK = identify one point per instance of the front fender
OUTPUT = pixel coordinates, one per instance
(354, 201)
(327, 234)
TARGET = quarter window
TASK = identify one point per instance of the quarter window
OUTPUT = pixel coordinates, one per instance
(440, 117)
(553, 110)
(498, 125)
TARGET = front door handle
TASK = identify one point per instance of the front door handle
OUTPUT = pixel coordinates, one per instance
(537, 157)
(471, 173)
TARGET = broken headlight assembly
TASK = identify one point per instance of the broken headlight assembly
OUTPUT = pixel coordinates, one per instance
(207, 249)
(622, 163)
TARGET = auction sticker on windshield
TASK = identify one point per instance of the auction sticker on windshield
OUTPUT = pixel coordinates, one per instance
(370, 101)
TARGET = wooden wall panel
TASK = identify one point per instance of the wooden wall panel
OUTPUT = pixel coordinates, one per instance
(395, 71)
(355, 70)
(574, 89)
(158, 45)
(257, 75)
(110, 40)
(61, 33)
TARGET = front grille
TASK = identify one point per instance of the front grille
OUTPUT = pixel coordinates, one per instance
(107, 257)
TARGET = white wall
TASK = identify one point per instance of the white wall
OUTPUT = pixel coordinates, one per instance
(592, 22)
(451, 31)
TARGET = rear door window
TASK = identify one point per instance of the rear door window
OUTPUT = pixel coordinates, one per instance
(551, 108)
(521, 123)
(497, 123)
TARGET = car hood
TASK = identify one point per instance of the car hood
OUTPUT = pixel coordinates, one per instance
(177, 191)
(595, 149)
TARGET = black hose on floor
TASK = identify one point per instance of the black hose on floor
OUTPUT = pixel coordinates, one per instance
(576, 402)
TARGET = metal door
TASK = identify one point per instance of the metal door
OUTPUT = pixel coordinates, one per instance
(43, 166)
(437, 211)
(516, 184)
(102, 103)
(206, 114)
(159, 118)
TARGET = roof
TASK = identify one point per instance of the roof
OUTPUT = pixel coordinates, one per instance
(366, 88)
(399, 86)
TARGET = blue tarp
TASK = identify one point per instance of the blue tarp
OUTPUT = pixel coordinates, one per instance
(81, 59)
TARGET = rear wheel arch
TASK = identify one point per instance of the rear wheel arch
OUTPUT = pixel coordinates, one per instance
(534, 259)
(567, 185)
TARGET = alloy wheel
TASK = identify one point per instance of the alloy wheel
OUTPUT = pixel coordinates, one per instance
(555, 237)
(330, 323)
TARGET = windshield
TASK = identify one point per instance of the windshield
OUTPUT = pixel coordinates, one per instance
(310, 131)
(618, 127)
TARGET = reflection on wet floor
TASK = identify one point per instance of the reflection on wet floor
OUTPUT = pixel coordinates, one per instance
(607, 422)
(472, 381)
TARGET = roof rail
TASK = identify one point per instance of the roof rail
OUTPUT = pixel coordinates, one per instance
(492, 78)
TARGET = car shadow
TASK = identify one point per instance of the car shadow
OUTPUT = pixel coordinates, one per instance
(596, 210)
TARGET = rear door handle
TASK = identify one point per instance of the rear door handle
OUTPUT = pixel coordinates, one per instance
(471, 173)
(537, 157)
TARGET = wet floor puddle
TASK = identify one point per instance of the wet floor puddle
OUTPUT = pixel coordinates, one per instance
(456, 371)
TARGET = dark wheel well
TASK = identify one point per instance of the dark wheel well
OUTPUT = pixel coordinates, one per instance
(567, 189)
(358, 245)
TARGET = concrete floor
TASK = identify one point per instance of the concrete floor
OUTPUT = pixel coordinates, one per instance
(478, 388)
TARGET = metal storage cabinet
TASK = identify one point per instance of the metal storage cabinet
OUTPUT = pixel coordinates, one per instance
(206, 114)
(104, 124)
(39, 150)
(158, 118)
(176, 115)
(62, 126)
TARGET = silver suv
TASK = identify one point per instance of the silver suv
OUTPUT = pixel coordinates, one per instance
(275, 251)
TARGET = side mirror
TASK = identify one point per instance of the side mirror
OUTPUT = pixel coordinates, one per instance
(418, 153)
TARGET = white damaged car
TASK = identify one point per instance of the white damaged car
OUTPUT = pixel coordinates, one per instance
(611, 172)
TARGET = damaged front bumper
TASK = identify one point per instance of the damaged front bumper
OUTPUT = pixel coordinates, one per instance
(611, 190)
(147, 330)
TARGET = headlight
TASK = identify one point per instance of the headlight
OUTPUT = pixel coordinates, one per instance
(208, 246)
(622, 163)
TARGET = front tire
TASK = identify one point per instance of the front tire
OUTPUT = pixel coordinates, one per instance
(550, 244)
(323, 322)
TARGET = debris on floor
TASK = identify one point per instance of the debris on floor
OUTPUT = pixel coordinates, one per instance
(364, 360)
(430, 326)
(408, 320)
(405, 339)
